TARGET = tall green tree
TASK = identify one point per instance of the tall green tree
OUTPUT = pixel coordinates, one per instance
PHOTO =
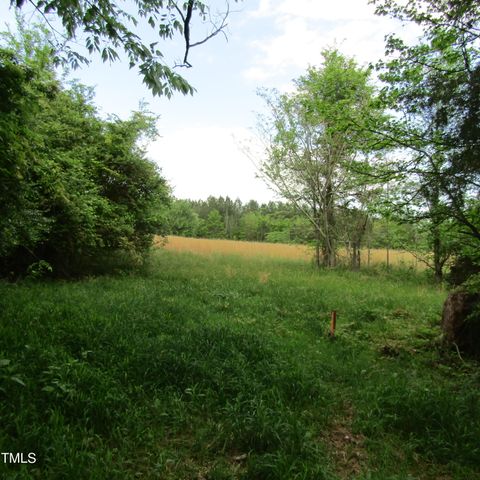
(182, 219)
(74, 187)
(214, 226)
(253, 226)
(314, 140)
(434, 86)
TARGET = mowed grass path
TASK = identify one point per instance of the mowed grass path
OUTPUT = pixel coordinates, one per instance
(220, 367)
(281, 250)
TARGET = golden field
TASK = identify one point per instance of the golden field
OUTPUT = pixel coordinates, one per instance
(277, 250)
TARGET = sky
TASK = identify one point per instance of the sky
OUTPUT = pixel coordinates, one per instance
(268, 44)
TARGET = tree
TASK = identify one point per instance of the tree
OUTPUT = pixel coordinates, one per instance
(435, 88)
(105, 28)
(182, 219)
(74, 187)
(253, 226)
(214, 226)
(314, 141)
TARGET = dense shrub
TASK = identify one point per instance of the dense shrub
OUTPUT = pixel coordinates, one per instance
(73, 186)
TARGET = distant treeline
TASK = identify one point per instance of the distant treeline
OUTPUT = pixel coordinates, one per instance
(280, 222)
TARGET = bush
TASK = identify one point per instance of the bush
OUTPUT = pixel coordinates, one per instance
(73, 186)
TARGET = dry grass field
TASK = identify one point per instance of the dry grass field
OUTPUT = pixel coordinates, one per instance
(279, 250)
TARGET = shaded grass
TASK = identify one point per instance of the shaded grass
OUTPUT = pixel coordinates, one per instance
(220, 368)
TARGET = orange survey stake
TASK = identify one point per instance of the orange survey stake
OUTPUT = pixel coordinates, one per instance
(333, 323)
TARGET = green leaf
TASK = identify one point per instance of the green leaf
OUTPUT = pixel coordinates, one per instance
(17, 380)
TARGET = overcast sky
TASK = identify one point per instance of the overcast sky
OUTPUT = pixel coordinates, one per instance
(270, 43)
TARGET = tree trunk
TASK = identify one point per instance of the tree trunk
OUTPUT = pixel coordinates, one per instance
(357, 242)
(318, 237)
(437, 260)
(330, 250)
(432, 195)
(461, 322)
(356, 255)
(388, 243)
(318, 261)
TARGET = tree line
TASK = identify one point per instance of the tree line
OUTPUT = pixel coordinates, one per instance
(281, 222)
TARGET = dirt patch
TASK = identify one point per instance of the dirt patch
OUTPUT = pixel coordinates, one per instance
(347, 448)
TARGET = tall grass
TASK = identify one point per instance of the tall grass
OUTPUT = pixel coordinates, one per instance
(369, 258)
(221, 368)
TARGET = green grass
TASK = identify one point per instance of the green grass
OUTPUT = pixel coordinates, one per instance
(221, 368)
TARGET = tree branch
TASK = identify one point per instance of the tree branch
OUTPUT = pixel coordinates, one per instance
(186, 31)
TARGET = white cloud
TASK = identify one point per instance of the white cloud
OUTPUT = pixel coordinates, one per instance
(315, 10)
(303, 28)
(207, 158)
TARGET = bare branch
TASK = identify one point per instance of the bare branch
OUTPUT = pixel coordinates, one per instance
(186, 19)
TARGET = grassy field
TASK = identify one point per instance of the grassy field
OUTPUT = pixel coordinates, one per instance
(220, 367)
(278, 250)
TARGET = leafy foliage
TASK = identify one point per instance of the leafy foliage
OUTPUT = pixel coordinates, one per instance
(313, 142)
(108, 27)
(182, 220)
(73, 186)
(434, 86)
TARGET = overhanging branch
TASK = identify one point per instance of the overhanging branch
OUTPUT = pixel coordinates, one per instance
(186, 19)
